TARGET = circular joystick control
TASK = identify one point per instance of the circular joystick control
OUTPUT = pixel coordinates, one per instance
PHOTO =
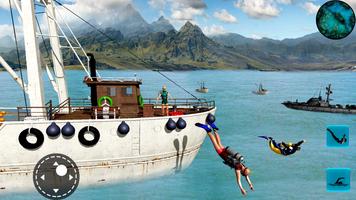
(56, 176)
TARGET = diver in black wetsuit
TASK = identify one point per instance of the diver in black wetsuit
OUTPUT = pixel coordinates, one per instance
(282, 147)
(290, 149)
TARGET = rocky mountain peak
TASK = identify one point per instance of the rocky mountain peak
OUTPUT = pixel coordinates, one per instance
(190, 28)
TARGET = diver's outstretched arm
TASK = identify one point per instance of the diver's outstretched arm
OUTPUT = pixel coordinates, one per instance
(238, 179)
(284, 144)
(300, 143)
(277, 145)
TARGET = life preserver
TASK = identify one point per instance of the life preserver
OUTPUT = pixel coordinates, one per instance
(26, 144)
(140, 100)
(86, 130)
(101, 99)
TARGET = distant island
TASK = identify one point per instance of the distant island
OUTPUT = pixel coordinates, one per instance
(159, 46)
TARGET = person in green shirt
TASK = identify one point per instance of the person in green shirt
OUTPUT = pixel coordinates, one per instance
(164, 95)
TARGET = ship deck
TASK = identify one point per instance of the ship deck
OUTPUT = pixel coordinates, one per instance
(80, 109)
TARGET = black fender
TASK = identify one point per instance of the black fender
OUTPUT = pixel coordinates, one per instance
(86, 142)
(26, 144)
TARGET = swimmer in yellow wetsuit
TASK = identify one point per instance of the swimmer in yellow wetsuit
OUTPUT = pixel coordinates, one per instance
(283, 148)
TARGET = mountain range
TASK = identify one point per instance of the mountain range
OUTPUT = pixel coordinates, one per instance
(137, 44)
(6, 44)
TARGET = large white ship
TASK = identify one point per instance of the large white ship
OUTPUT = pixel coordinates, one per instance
(115, 136)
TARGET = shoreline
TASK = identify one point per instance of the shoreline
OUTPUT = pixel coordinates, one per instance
(76, 67)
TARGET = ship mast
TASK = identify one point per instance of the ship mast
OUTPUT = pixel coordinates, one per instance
(34, 70)
(57, 56)
(328, 93)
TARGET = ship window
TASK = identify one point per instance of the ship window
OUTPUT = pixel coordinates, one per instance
(127, 91)
(112, 91)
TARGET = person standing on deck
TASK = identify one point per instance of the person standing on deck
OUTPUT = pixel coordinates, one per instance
(164, 95)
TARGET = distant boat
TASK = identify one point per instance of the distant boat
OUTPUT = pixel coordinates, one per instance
(260, 90)
(318, 104)
(202, 88)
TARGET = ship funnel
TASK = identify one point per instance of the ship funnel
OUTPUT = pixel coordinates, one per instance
(93, 90)
(92, 65)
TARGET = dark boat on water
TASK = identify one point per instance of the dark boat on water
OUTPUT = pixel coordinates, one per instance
(318, 104)
(260, 90)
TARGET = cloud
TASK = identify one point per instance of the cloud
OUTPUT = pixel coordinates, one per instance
(186, 14)
(311, 8)
(225, 16)
(285, 1)
(187, 9)
(352, 3)
(256, 36)
(4, 4)
(214, 30)
(105, 12)
(158, 4)
(181, 10)
(6, 30)
(261, 9)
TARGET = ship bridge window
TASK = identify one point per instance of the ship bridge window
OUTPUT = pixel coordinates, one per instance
(111, 91)
(127, 91)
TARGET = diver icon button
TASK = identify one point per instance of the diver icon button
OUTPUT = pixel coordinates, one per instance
(337, 136)
(338, 179)
(56, 176)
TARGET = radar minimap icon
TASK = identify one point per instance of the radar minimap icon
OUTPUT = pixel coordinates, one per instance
(56, 176)
(335, 19)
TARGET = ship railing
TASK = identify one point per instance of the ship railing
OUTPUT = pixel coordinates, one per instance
(27, 112)
(84, 102)
(71, 105)
(64, 107)
(121, 79)
(182, 102)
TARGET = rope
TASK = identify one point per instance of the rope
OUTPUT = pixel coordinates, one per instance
(44, 42)
(18, 56)
(177, 84)
(75, 14)
(128, 50)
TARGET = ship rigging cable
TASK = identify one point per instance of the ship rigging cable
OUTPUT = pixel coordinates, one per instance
(18, 56)
(128, 50)
(47, 48)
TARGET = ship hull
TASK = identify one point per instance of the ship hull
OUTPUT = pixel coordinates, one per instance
(319, 109)
(147, 151)
(203, 90)
(260, 92)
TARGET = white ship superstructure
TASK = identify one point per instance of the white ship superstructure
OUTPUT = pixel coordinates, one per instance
(115, 136)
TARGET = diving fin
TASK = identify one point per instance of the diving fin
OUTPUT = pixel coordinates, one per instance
(203, 126)
(213, 126)
(265, 137)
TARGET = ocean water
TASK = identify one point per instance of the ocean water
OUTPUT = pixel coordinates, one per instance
(241, 117)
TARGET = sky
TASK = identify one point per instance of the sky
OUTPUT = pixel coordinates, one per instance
(276, 19)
